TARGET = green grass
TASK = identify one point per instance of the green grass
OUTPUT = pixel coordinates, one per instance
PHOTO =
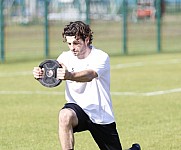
(29, 121)
(29, 118)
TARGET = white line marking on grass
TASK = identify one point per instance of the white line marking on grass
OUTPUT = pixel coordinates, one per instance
(137, 64)
(155, 93)
(13, 74)
(140, 64)
(147, 93)
(117, 66)
(163, 92)
(30, 93)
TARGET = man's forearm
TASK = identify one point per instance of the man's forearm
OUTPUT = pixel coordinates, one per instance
(82, 76)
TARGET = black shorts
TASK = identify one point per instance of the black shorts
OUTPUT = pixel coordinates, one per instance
(106, 136)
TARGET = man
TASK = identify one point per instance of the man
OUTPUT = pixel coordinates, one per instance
(86, 71)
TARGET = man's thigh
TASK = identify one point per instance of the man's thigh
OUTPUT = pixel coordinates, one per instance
(81, 115)
(106, 136)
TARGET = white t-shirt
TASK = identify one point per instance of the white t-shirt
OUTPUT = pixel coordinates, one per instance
(94, 96)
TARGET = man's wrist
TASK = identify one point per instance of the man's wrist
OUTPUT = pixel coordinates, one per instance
(70, 76)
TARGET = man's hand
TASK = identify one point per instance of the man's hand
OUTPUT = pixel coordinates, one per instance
(82, 76)
(38, 72)
(63, 73)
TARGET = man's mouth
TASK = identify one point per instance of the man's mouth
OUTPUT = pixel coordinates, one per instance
(75, 52)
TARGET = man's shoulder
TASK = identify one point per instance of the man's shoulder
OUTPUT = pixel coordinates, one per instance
(64, 56)
(66, 52)
(99, 52)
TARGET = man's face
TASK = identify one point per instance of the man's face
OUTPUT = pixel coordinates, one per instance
(77, 46)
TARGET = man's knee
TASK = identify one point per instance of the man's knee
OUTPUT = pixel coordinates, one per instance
(67, 117)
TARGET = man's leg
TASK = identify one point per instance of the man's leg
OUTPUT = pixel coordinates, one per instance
(135, 146)
(106, 136)
(67, 120)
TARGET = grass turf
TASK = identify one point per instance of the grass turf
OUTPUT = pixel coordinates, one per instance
(29, 111)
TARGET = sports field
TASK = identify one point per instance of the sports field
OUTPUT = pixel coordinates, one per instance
(146, 95)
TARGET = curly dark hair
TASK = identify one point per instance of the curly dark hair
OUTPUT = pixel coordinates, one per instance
(78, 29)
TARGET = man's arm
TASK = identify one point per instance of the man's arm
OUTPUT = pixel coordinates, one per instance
(82, 76)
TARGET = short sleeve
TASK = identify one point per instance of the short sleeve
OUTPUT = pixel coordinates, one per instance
(100, 63)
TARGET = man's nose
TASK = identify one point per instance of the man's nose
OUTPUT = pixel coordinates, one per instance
(72, 47)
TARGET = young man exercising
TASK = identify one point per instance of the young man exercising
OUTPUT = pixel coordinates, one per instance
(86, 71)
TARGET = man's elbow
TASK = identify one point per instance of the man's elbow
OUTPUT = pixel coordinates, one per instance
(91, 76)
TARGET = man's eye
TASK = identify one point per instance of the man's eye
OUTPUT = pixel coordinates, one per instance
(69, 43)
(76, 43)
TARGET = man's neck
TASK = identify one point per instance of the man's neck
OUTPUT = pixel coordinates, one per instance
(85, 53)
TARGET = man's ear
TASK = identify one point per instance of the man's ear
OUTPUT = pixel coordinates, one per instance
(87, 40)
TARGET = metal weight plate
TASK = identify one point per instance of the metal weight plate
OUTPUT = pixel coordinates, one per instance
(50, 73)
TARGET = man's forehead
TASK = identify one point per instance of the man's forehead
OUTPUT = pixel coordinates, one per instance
(70, 39)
